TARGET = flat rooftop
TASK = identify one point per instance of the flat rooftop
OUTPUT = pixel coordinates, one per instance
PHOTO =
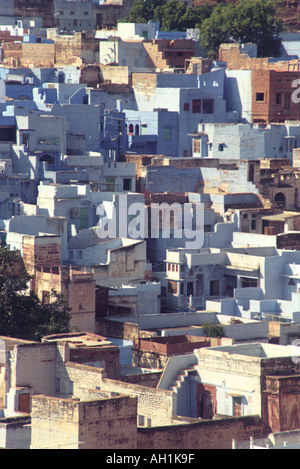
(260, 350)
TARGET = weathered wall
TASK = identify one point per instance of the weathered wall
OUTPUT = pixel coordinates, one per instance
(155, 404)
(150, 380)
(28, 55)
(237, 60)
(78, 49)
(208, 434)
(69, 424)
(34, 365)
(41, 252)
(107, 356)
(37, 8)
(117, 74)
(38, 55)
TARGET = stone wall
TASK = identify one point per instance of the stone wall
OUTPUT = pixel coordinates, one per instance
(28, 55)
(37, 8)
(150, 380)
(41, 252)
(38, 55)
(207, 434)
(237, 60)
(108, 356)
(34, 365)
(70, 424)
(77, 49)
(116, 74)
(156, 405)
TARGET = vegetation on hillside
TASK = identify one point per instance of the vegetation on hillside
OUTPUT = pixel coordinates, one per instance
(242, 21)
(22, 314)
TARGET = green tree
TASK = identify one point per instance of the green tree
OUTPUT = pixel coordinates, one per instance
(22, 315)
(213, 330)
(172, 15)
(247, 21)
(143, 11)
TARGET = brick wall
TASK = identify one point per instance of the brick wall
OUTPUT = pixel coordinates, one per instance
(41, 253)
(79, 291)
(272, 96)
(237, 60)
(207, 434)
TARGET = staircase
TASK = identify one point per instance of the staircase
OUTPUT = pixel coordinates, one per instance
(180, 377)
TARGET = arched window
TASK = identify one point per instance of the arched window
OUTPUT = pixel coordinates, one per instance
(131, 128)
(137, 129)
(47, 159)
(206, 405)
(280, 200)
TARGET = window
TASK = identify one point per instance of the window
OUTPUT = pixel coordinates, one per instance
(179, 54)
(110, 184)
(248, 282)
(278, 98)
(196, 106)
(25, 140)
(45, 297)
(86, 13)
(172, 288)
(196, 146)
(237, 406)
(214, 288)
(253, 222)
(208, 106)
(221, 147)
(260, 97)
(190, 288)
(167, 134)
(74, 213)
(186, 106)
(287, 101)
(127, 184)
(72, 13)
